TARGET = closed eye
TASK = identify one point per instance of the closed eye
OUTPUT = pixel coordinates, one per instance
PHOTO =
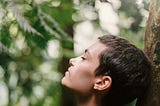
(83, 58)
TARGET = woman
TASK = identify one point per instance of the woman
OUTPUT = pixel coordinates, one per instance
(111, 72)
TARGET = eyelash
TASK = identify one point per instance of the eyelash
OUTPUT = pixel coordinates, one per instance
(83, 58)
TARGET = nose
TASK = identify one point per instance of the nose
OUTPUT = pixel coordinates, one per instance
(71, 61)
(74, 61)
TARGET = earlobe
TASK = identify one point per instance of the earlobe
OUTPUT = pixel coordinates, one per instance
(103, 83)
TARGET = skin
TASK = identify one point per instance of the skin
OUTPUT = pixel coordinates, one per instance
(81, 78)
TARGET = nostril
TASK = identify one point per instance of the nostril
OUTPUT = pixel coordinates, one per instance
(71, 62)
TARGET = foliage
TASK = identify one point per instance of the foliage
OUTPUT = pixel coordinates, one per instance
(26, 28)
(136, 13)
(28, 71)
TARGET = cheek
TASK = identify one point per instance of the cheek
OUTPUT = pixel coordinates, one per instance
(82, 80)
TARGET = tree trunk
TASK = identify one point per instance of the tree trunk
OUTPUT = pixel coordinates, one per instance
(152, 49)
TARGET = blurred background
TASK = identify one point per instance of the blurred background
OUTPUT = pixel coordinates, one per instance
(37, 37)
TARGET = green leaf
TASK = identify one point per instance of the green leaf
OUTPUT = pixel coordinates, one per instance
(5, 37)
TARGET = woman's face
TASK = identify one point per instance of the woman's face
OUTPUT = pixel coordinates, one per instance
(80, 76)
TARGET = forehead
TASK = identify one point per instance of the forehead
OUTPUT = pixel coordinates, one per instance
(97, 48)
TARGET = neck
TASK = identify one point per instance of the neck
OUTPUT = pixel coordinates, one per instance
(91, 100)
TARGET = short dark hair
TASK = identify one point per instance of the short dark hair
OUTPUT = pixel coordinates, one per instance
(129, 68)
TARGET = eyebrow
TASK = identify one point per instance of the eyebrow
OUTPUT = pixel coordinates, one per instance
(87, 52)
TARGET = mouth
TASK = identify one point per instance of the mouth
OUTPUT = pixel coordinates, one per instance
(67, 73)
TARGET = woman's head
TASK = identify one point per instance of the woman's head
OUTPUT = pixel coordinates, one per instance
(112, 67)
(80, 76)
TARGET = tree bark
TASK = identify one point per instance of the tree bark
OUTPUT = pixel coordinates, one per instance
(152, 49)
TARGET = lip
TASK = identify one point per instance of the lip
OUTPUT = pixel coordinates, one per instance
(67, 73)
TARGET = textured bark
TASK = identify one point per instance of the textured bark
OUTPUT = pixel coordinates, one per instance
(152, 48)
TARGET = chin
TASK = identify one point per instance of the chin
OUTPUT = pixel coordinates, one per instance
(64, 81)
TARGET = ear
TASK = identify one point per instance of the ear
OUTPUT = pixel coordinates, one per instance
(103, 83)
